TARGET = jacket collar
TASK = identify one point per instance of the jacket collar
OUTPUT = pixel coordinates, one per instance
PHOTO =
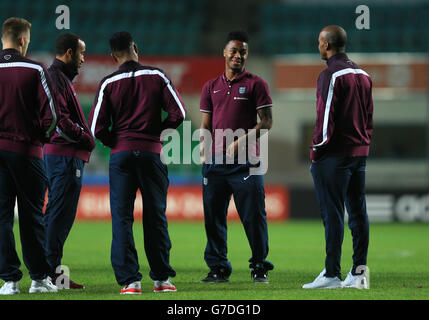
(11, 51)
(128, 65)
(337, 56)
(70, 74)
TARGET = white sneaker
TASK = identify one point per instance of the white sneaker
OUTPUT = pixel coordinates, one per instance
(164, 286)
(132, 288)
(356, 281)
(9, 288)
(44, 285)
(322, 282)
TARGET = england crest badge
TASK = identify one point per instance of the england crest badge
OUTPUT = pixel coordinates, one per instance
(242, 90)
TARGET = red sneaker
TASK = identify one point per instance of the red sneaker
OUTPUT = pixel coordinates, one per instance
(64, 282)
(74, 285)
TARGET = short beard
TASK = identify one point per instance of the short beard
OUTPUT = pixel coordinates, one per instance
(73, 65)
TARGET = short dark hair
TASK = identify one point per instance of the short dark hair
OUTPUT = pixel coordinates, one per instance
(239, 35)
(336, 37)
(66, 41)
(121, 41)
(13, 28)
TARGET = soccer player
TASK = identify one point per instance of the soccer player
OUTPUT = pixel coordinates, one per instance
(28, 116)
(338, 154)
(131, 100)
(233, 101)
(65, 156)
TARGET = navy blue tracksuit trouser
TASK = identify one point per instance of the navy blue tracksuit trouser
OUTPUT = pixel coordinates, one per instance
(220, 182)
(65, 183)
(340, 181)
(129, 171)
(22, 178)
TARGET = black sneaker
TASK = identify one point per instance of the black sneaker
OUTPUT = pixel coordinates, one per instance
(215, 276)
(259, 274)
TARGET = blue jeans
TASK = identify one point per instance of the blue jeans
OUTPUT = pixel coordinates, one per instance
(340, 181)
(220, 182)
(129, 171)
(22, 178)
(65, 183)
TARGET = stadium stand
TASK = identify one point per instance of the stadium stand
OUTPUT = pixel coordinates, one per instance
(292, 28)
(163, 27)
(189, 27)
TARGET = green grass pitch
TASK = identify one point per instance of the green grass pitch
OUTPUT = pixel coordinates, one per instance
(398, 262)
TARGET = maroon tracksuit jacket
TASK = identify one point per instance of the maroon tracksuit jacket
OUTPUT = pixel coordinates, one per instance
(344, 120)
(28, 109)
(130, 101)
(79, 143)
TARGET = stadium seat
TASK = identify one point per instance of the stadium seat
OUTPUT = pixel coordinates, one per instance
(406, 21)
(282, 27)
